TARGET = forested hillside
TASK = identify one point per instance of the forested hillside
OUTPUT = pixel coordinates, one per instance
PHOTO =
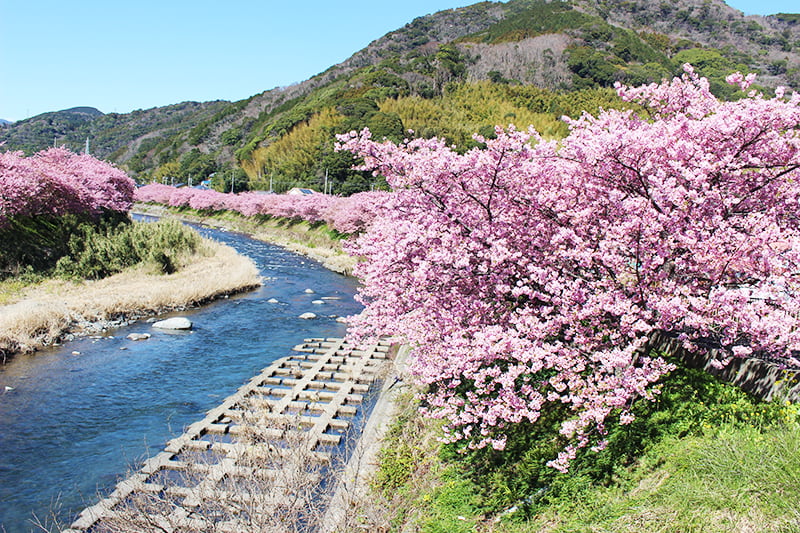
(113, 136)
(449, 74)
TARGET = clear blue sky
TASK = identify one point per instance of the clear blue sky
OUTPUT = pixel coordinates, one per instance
(121, 56)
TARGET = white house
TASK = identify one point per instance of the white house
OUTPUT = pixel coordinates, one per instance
(297, 191)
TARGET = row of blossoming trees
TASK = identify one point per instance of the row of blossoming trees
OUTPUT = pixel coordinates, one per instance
(529, 274)
(45, 199)
(344, 214)
(57, 182)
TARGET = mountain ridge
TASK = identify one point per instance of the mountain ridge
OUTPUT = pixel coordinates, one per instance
(555, 45)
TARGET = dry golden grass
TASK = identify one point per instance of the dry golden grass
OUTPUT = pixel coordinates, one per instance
(39, 315)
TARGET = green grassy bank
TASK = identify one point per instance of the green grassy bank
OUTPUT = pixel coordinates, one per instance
(704, 456)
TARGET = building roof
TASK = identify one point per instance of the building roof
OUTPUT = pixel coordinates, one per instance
(299, 190)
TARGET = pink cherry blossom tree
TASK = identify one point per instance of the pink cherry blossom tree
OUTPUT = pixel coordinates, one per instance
(57, 182)
(531, 273)
(353, 214)
(154, 193)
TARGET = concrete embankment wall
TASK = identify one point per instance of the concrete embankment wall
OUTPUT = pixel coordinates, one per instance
(763, 379)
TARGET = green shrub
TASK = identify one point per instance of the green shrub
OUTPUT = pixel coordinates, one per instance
(99, 251)
(703, 455)
(36, 243)
(398, 461)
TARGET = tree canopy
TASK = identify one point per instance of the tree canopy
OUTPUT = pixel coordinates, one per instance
(528, 275)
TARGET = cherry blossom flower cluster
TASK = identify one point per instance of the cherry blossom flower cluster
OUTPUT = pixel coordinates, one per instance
(346, 215)
(530, 274)
(57, 182)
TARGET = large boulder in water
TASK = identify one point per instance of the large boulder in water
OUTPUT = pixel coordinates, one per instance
(177, 322)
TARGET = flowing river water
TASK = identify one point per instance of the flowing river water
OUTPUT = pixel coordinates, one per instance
(72, 425)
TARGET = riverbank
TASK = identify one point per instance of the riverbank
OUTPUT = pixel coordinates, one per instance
(93, 415)
(54, 310)
(313, 241)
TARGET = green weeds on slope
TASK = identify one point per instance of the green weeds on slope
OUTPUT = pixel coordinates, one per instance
(704, 456)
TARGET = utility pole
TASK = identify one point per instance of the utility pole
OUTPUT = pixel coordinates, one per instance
(325, 187)
(86, 151)
(233, 179)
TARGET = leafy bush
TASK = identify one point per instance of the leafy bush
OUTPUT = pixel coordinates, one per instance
(97, 251)
(35, 242)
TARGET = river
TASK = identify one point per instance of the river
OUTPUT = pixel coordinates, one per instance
(72, 425)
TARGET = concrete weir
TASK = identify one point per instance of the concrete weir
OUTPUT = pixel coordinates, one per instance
(256, 461)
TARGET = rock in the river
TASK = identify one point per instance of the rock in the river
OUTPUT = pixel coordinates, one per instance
(318, 302)
(138, 336)
(273, 301)
(309, 291)
(177, 322)
(308, 316)
(342, 320)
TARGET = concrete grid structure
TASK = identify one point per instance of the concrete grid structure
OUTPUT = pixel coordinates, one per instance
(259, 457)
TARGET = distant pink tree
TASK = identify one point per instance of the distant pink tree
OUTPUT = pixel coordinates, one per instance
(353, 214)
(313, 206)
(530, 274)
(181, 197)
(345, 214)
(154, 193)
(249, 203)
(208, 200)
(57, 182)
